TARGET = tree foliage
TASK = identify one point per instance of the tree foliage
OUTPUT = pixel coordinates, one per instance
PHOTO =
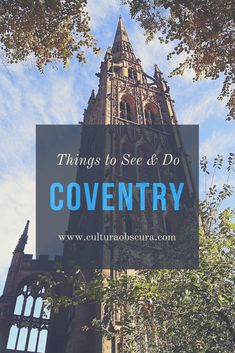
(169, 311)
(203, 31)
(55, 30)
(48, 30)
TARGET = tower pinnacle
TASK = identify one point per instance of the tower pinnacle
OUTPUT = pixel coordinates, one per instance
(122, 48)
(23, 240)
(121, 33)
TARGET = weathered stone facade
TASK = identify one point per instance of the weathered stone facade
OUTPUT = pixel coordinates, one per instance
(122, 79)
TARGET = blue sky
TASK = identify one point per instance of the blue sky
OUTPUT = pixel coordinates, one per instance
(59, 96)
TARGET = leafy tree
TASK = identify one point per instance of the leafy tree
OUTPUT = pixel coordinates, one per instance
(49, 30)
(169, 311)
(55, 30)
(203, 31)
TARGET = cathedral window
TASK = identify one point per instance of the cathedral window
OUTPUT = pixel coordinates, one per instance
(149, 117)
(30, 320)
(33, 340)
(19, 305)
(28, 306)
(132, 74)
(13, 337)
(151, 114)
(127, 108)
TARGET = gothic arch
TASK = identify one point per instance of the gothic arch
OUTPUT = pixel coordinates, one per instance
(152, 114)
(132, 73)
(30, 319)
(127, 108)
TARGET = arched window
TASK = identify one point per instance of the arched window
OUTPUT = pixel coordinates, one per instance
(30, 320)
(149, 117)
(33, 340)
(22, 339)
(14, 331)
(132, 74)
(127, 108)
(42, 341)
(152, 116)
(38, 307)
(19, 305)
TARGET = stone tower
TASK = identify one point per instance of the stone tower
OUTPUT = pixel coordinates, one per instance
(126, 95)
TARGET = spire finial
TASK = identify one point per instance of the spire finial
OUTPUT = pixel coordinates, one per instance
(122, 47)
(23, 240)
(156, 69)
(121, 34)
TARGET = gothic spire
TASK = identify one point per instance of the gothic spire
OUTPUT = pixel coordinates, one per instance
(121, 34)
(122, 48)
(23, 240)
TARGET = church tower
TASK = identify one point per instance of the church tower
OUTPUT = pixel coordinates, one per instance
(126, 96)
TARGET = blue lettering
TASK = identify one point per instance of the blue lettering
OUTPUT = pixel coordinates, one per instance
(126, 195)
(56, 206)
(176, 194)
(91, 200)
(77, 197)
(106, 196)
(142, 187)
(159, 196)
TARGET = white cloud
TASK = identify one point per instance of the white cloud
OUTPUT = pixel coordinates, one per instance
(100, 11)
(203, 107)
(218, 143)
(17, 204)
(27, 98)
(152, 53)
